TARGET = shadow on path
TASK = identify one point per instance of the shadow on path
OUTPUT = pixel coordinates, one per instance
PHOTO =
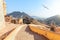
(36, 36)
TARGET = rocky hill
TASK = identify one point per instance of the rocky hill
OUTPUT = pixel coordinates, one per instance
(17, 14)
(55, 19)
(26, 18)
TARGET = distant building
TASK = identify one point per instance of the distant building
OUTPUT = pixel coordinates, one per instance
(8, 18)
(13, 20)
(20, 20)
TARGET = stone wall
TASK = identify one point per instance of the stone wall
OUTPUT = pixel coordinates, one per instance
(2, 22)
(4, 7)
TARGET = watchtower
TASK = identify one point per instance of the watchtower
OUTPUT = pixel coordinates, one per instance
(2, 21)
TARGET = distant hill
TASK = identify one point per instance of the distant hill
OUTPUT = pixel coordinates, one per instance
(55, 19)
(17, 14)
(38, 18)
(26, 17)
(34, 19)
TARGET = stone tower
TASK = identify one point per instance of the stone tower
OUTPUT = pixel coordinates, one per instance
(2, 21)
(4, 7)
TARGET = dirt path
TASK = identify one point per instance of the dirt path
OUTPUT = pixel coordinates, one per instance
(26, 34)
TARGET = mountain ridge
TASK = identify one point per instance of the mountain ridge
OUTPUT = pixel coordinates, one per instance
(55, 19)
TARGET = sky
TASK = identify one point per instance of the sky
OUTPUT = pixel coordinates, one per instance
(39, 8)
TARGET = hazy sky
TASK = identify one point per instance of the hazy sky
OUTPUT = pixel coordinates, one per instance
(40, 8)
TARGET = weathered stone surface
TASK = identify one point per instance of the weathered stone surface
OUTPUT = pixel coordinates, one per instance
(2, 24)
(4, 7)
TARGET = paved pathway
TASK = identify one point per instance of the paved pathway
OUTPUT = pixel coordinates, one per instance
(26, 34)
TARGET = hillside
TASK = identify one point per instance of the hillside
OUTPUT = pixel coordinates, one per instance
(17, 14)
(55, 19)
(26, 18)
(39, 19)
